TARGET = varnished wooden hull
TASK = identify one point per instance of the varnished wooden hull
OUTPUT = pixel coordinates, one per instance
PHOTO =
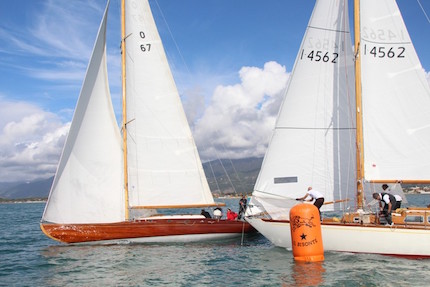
(157, 230)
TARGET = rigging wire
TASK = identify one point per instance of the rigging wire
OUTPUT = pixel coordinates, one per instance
(422, 8)
(241, 184)
(173, 38)
(213, 174)
(226, 173)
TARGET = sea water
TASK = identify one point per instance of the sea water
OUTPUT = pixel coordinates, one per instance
(29, 258)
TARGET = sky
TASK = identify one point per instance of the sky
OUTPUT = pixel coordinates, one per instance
(227, 57)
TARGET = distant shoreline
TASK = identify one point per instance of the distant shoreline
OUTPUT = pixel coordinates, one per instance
(39, 200)
(23, 200)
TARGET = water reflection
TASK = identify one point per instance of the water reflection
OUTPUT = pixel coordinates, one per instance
(308, 274)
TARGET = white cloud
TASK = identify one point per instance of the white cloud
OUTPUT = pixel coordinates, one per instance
(239, 119)
(31, 141)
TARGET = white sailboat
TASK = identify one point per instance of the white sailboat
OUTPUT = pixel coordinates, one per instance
(108, 187)
(348, 123)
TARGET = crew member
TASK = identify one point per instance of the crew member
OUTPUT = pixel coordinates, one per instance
(314, 195)
(389, 202)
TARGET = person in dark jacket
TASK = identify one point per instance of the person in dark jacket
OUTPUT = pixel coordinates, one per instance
(205, 214)
(242, 206)
(389, 203)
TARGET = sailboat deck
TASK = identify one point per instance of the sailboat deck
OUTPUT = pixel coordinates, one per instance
(406, 218)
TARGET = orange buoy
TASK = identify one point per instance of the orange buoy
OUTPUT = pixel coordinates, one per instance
(306, 235)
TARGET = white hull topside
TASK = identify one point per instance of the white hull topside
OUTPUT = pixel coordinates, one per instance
(396, 241)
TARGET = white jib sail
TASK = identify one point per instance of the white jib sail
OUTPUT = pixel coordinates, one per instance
(88, 185)
(396, 97)
(313, 143)
(163, 163)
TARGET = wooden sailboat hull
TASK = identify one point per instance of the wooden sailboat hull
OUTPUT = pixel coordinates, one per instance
(402, 241)
(157, 230)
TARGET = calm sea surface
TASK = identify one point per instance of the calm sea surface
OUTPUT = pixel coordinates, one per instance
(29, 258)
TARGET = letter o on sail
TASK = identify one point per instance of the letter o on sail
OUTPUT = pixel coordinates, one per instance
(306, 235)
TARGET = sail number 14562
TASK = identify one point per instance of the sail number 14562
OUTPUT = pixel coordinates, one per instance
(385, 52)
(317, 56)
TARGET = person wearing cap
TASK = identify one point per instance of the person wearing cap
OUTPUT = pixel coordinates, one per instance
(389, 203)
(314, 195)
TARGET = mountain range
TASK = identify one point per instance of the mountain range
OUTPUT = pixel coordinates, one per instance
(225, 177)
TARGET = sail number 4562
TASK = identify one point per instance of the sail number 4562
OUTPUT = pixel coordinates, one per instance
(318, 56)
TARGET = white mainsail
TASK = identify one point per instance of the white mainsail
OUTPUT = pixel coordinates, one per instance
(88, 185)
(163, 163)
(313, 143)
(396, 97)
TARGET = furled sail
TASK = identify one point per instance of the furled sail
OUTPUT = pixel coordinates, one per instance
(163, 163)
(396, 97)
(88, 186)
(313, 143)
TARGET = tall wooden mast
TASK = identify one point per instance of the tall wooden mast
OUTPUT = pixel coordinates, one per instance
(124, 110)
(359, 114)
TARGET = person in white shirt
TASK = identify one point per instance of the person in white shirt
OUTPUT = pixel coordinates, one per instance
(314, 195)
(217, 213)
